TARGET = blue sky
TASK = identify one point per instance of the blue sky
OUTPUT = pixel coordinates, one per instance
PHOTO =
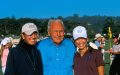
(54, 8)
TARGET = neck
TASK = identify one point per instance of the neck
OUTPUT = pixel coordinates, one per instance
(83, 51)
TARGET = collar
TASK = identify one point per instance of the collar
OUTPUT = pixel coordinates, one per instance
(52, 43)
(88, 51)
(26, 46)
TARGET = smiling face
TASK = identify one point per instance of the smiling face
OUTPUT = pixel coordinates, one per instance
(81, 43)
(30, 39)
(56, 31)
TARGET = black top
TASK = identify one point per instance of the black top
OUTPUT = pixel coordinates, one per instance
(24, 59)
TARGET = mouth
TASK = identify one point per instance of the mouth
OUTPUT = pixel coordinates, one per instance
(80, 44)
(34, 40)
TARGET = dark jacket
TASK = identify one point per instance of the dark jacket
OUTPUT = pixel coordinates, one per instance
(24, 60)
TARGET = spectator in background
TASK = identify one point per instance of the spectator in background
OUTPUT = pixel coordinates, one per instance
(103, 44)
(115, 66)
(25, 59)
(103, 40)
(5, 46)
(10, 42)
(98, 38)
(87, 61)
(57, 52)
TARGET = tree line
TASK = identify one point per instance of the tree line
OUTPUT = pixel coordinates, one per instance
(94, 24)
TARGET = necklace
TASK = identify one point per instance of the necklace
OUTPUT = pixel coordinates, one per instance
(32, 62)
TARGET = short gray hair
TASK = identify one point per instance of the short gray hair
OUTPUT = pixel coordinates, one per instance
(53, 20)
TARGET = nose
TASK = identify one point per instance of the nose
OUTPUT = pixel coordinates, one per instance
(60, 32)
(34, 36)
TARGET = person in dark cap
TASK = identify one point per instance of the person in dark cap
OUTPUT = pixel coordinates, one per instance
(115, 36)
(25, 58)
(114, 68)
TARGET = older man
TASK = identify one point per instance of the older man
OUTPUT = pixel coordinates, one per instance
(57, 52)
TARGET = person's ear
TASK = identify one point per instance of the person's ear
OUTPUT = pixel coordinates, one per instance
(48, 33)
(64, 33)
(87, 39)
(22, 35)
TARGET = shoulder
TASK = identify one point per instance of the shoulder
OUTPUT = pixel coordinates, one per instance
(68, 41)
(43, 42)
(46, 40)
(94, 51)
(16, 49)
(69, 44)
(116, 45)
(119, 45)
(97, 53)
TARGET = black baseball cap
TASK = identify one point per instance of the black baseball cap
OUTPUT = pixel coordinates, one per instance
(115, 36)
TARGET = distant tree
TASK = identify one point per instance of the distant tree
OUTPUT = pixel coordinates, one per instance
(60, 17)
(109, 22)
(94, 24)
(43, 27)
(69, 25)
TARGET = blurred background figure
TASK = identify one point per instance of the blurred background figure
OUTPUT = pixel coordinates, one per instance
(98, 38)
(93, 45)
(115, 51)
(103, 45)
(5, 47)
(103, 40)
(99, 41)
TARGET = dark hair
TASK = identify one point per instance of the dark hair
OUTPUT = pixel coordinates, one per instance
(118, 41)
(21, 39)
(115, 36)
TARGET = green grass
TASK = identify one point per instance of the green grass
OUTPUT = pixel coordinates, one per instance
(107, 64)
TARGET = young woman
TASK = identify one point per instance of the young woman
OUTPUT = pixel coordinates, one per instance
(87, 61)
(25, 59)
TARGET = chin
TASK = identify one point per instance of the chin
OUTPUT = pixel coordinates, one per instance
(81, 47)
(32, 43)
